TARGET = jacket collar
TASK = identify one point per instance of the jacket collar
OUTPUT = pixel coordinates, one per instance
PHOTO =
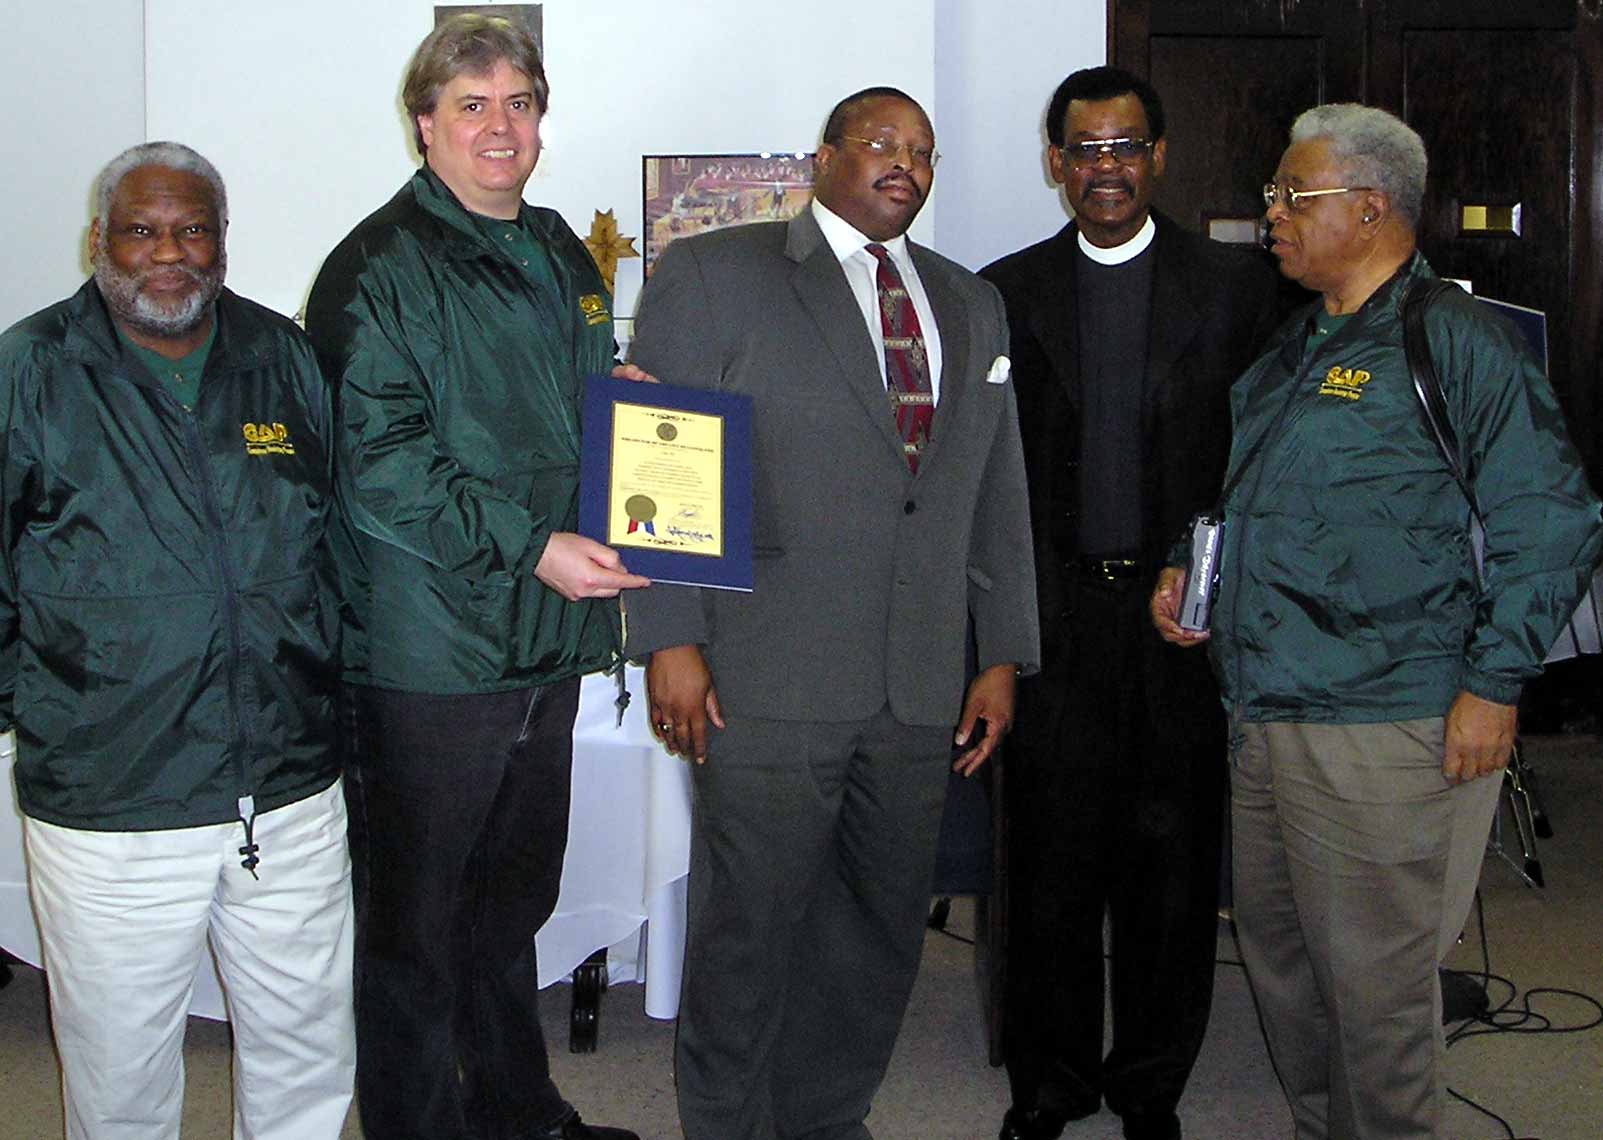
(821, 287)
(1385, 301)
(1176, 315)
(1395, 288)
(464, 237)
(957, 374)
(92, 337)
(803, 237)
(1383, 305)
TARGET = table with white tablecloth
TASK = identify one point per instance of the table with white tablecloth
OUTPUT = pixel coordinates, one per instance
(623, 882)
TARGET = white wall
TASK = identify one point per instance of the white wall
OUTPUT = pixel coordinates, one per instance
(297, 102)
(996, 66)
(316, 141)
(74, 82)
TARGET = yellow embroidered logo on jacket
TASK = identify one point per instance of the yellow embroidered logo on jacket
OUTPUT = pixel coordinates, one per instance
(1348, 383)
(594, 309)
(267, 439)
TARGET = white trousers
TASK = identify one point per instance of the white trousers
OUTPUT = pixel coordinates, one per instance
(124, 917)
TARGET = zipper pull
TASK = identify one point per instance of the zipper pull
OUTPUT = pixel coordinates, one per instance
(621, 702)
(247, 816)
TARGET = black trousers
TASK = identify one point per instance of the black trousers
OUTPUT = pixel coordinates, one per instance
(1115, 793)
(459, 821)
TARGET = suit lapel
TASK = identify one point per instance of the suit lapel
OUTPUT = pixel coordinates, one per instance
(1059, 326)
(821, 287)
(951, 323)
(1174, 318)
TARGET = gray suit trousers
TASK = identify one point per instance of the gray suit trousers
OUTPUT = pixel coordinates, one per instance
(1355, 865)
(811, 854)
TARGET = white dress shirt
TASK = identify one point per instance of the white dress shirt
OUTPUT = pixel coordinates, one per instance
(861, 269)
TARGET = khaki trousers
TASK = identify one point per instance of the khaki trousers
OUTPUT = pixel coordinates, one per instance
(1355, 864)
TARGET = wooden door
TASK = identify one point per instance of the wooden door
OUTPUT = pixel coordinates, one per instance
(1509, 100)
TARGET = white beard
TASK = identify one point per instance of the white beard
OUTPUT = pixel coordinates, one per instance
(127, 301)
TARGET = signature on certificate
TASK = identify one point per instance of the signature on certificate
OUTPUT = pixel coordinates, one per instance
(694, 536)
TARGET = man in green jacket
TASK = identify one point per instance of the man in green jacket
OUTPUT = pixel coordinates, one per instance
(1371, 677)
(457, 324)
(169, 665)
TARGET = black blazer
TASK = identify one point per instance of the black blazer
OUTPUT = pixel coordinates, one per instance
(1212, 307)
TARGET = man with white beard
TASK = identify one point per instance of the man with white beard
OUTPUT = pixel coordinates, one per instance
(167, 660)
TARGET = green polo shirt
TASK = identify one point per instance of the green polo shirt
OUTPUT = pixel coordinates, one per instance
(1325, 327)
(181, 377)
(528, 253)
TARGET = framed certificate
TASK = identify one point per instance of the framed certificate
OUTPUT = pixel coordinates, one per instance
(665, 479)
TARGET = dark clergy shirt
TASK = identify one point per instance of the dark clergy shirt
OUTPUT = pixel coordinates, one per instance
(1114, 303)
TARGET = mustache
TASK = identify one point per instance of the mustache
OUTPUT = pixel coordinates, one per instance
(188, 272)
(1123, 184)
(885, 180)
(124, 294)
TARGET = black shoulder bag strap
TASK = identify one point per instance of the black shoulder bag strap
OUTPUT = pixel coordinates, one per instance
(1433, 402)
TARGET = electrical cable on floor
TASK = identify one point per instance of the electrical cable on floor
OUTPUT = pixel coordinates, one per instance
(1503, 1018)
(1500, 1018)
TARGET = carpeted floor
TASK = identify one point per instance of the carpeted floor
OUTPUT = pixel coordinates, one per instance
(1547, 1085)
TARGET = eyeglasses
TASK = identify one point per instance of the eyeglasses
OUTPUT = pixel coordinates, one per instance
(1090, 152)
(1295, 199)
(892, 148)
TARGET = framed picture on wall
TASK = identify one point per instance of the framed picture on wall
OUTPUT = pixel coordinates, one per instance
(526, 14)
(696, 193)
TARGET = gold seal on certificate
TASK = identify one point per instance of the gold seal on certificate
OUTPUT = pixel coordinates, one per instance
(666, 486)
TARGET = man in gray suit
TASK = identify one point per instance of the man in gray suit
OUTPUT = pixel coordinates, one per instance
(891, 520)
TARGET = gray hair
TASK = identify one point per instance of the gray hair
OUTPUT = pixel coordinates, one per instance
(168, 156)
(1375, 148)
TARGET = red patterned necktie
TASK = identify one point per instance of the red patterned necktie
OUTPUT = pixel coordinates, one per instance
(907, 369)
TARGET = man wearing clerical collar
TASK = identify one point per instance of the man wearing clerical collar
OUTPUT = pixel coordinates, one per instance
(1126, 332)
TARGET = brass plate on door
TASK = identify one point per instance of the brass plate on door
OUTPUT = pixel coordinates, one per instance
(1489, 221)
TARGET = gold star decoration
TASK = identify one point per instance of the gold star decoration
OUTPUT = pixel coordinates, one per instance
(607, 246)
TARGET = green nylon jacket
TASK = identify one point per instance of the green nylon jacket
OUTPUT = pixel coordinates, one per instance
(457, 389)
(1347, 591)
(170, 630)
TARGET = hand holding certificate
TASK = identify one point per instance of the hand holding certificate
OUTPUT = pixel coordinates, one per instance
(665, 473)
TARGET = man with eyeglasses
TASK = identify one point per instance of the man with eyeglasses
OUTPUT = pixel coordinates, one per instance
(1126, 332)
(1372, 669)
(891, 517)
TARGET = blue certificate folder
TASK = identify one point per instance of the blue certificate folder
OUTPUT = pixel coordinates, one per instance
(731, 570)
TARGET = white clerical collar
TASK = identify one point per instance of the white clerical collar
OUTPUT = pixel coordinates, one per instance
(844, 238)
(1119, 254)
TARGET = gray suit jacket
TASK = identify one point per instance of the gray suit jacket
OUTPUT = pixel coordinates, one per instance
(866, 576)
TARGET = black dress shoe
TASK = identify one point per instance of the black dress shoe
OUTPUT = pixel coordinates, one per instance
(1032, 1124)
(575, 1129)
(1151, 1126)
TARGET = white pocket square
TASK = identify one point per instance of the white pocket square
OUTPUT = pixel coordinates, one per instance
(1001, 369)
